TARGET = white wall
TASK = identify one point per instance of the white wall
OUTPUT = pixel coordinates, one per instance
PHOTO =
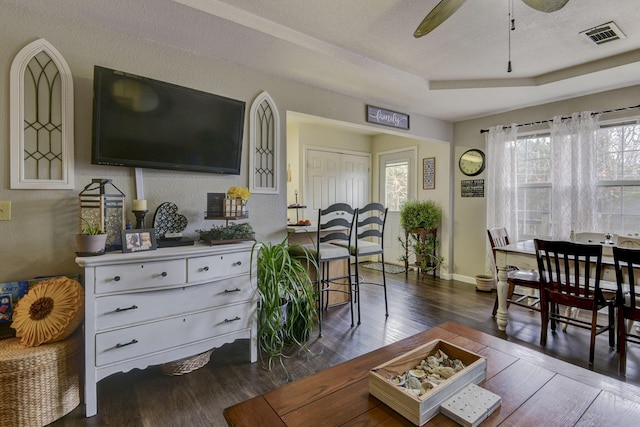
(40, 238)
(469, 220)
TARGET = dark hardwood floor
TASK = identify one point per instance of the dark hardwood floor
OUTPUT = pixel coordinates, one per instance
(149, 398)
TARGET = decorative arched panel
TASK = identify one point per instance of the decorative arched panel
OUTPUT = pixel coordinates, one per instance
(41, 119)
(264, 126)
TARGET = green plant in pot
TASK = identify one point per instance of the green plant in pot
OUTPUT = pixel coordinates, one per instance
(287, 299)
(419, 218)
(92, 239)
(416, 214)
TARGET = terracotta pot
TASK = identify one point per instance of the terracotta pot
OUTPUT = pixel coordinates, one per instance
(91, 244)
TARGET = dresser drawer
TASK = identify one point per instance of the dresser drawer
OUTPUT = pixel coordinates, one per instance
(115, 311)
(126, 277)
(147, 338)
(217, 266)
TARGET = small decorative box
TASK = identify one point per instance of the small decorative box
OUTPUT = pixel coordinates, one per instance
(421, 408)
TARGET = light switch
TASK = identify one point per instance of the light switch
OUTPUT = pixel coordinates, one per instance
(5, 210)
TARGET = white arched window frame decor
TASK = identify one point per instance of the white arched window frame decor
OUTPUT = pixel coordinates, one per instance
(264, 161)
(41, 119)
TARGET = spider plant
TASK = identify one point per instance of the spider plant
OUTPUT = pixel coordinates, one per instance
(287, 299)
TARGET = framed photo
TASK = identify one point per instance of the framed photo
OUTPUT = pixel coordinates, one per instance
(429, 173)
(138, 240)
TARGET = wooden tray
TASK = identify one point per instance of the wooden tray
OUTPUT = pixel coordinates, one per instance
(225, 242)
(421, 409)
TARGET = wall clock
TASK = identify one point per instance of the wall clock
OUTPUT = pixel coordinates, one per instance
(472, 162)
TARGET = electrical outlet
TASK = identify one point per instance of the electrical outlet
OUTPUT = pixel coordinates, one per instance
(5, 210)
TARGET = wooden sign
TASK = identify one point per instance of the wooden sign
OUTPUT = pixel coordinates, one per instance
(387, 117)
(472, 188)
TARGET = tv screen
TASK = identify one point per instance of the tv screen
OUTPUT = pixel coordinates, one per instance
(142, 122)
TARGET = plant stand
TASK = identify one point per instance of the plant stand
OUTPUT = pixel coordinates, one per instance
(423, 241)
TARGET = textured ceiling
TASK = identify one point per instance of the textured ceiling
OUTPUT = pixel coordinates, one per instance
(366, 48)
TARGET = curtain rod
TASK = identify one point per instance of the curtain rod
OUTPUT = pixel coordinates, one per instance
(566, 117)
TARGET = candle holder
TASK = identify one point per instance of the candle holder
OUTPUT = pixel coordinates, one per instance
(140, 218)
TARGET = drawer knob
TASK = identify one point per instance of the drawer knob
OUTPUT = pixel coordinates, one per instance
(205, 268)
(117, 278)
(237, 263)
(229, 291)
(231, 320)
(133, 341)
(163, 274)
(133, 307)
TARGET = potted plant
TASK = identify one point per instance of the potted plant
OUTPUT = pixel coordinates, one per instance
(287, 298)
(420, 219)
(227, 233)
(416, 214)
(92, 239)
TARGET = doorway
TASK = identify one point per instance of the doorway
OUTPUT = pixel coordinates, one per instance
(397, 184)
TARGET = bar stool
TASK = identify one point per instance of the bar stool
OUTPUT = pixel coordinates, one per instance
(333, 235)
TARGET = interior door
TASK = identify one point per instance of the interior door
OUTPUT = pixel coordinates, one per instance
(336, 178)
(398, 183)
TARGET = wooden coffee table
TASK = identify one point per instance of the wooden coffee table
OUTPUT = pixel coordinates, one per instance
(535, 389)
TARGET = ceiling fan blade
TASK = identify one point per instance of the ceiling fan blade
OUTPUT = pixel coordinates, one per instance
(546, 5)
(437, 16)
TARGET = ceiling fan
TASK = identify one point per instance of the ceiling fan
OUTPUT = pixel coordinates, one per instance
(446, 8)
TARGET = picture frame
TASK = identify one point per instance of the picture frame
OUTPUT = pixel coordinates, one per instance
(429, 173)
(137, 240)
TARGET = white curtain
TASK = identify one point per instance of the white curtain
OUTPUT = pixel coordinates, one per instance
(573, 174)
(501, 188)
(573, 177)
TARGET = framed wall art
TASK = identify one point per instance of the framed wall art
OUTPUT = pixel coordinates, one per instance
(429, 173)
(138, 240)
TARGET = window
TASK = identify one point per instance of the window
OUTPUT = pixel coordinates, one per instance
(618, 171)
(533, 168)
(617, 167)
(397, 177)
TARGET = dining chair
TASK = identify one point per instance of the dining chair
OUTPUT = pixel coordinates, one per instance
(570, 276)
(628, 242)
(627, 263)
(334, 228)
(524, 279)
(367, 240)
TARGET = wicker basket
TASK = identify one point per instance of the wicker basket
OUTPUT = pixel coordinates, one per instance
(189, 364)
(40, 384)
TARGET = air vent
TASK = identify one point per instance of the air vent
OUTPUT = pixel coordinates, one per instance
(603, 33)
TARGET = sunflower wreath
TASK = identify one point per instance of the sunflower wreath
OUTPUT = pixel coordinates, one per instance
(49, 312)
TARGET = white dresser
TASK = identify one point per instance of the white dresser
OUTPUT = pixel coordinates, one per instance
(154, 307)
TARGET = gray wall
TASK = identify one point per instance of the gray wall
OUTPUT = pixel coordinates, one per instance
(40, 238)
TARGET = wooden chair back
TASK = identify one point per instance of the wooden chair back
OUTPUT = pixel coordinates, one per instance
(565, 280)
(628, 242)
(498, 237)
(627, 262)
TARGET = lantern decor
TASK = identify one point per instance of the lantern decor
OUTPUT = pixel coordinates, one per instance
(104, 206)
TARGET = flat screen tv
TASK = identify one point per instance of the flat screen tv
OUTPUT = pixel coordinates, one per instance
(142, 122)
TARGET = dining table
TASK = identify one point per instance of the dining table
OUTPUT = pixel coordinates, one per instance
(523, 256)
